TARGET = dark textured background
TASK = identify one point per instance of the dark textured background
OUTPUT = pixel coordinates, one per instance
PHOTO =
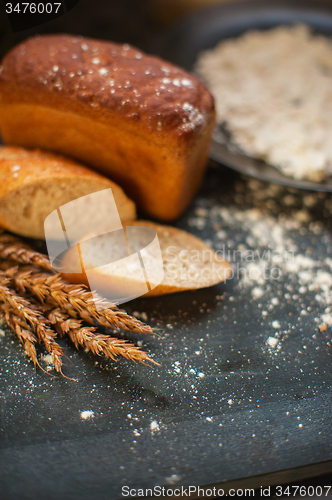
(129, 21)
(48, 451)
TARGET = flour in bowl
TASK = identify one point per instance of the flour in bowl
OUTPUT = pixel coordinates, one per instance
(273, 92)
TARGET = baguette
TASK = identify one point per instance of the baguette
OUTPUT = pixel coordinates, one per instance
(188, 264)
(143, 122)
(34, 183)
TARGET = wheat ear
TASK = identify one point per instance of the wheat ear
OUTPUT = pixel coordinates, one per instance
(54, 289)
(12, 248)
(39, 324)
(98, 344)
(22, 330)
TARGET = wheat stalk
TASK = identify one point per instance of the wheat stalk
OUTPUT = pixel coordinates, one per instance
(60, 307)
(12, 248)
(98, 344)
(64, 294)
(24, 318)
(23, 331)
(21, 308)
(77, 298)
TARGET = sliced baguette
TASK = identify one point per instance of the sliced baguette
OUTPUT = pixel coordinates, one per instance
(188, 264)
(34, 183)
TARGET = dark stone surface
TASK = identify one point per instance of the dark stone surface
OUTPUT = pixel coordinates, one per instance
(256, 410)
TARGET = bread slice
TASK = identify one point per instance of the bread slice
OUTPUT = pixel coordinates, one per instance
(35, 183)
(187, 262)
(137, 119)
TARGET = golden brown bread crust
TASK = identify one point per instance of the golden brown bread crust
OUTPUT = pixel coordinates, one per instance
(173, 242)
(20, 167)
(34, 183)
(102, 78)
(153, 120)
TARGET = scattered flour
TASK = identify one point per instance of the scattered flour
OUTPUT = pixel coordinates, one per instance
(268, 258)
(141, 315)
(327, 319)
(272, 342)
(175, 478)
(87, 415)
(154, 426)
(257, 292)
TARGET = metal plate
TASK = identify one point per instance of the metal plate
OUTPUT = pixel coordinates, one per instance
(205, 29)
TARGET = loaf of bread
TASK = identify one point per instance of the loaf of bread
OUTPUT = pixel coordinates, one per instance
(34, 183)
(187, 263)
(142, 121)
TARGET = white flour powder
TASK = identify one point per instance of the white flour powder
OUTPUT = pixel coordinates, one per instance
(273, 91)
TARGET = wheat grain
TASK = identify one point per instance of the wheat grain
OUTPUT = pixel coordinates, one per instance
(55, 306)
(76, 298)
(23, 331)
(98, 344)
(34, 318)
(14, 249)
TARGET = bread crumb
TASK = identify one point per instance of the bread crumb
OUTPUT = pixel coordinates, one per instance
(47, 358)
